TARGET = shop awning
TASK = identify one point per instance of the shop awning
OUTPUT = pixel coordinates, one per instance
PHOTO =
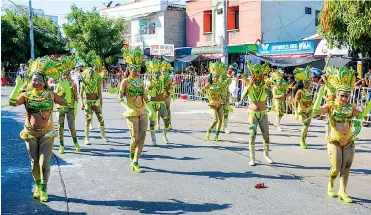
(338, 61)
(294, 60)
(186, 59)
(206, 50)
(232, 49)
(183, 51)
(242, 49)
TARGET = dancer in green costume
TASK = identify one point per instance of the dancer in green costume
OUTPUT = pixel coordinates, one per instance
(132, 88)
(226, 80)
(169, 92)
(341, 140)
(213, 91)
(91, 86)
(158, 95)
(303, 103)
(38, 132)
(279, 92)
(257, 92)
(67, 90)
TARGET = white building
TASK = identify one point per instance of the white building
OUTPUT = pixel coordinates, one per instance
(284, 20)
(151, 22)
(40, 12)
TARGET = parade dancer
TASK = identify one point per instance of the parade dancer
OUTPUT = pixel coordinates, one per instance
(341, 140)
(38, 132)
(257, 92)
(226, 80)
(156, 91)
(67, 90)
(132, 88)
(91, 86)
(169, 92)
(278, 91)
(213, 91)
(303, 103)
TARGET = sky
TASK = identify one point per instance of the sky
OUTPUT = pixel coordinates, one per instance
(62, 7)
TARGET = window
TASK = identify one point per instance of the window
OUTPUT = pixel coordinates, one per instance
(316, 17)
(233, 18)
(208, 19)
(152, 28)
(147, 27)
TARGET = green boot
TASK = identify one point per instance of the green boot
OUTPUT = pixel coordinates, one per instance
(131, 156)
(36, 193)
(135, 167)
(208, 136)
(330, 188)
(77, 145)
(61, 147)
(216, 138)
(44, 193)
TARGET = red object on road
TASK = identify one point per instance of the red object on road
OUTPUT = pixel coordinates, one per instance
(260, 186)
(4, 81)
(184, 96)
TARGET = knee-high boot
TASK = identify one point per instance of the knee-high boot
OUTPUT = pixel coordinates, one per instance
(153, 137)
(330, 187)
(266, 152)
(102, 133)
(343, 184)
(252, 154)
(304, 132)
(164, 137)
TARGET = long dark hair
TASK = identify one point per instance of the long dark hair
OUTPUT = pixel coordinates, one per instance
(210, 79)
(298, 86)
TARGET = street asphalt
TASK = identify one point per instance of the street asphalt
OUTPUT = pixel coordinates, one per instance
(187, 176)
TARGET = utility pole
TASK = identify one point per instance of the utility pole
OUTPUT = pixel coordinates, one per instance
(225, 39)
(31, 32)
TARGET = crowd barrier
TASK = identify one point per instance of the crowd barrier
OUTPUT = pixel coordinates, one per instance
(189, 87)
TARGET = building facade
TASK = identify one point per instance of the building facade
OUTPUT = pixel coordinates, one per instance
(249, 21)
(40, 12)
(151, 22)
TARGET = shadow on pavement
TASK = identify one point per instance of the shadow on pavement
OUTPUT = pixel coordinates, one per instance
(172, 207)
(16, 177)
(223, 175)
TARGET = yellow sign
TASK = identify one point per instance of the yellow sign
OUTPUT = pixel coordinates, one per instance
(359, 69)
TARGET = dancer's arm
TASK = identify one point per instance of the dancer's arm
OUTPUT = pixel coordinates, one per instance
(128, 110)
(15, 99)
(296, 103)
(82, 90)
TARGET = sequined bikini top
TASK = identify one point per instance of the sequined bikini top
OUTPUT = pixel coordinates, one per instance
(340, 114)
(39, 103)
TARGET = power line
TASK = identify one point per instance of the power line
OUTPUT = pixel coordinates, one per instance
(292, 21)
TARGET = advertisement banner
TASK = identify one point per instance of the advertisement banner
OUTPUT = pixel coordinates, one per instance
(164, 49)
(294, 47)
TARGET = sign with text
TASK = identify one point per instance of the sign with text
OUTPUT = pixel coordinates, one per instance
(295, 47)
(164, 49)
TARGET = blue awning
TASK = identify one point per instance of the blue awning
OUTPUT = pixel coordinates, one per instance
(185, 59)
(183, 51)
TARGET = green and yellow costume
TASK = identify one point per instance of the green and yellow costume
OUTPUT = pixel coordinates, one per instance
(257, 92)
(91, 86)
(67, 90)
(39, 106)
(278, 91)
(214, 93)
(226, 80)
(341, 146)
(158, 95)
(132, 88)
(169, 91)
(303, 103)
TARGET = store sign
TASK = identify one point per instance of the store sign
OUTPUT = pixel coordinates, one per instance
(295, 47)
(164, 49)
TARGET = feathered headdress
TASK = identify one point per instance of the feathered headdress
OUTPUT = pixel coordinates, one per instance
(258, 69)
(45, 66)
(166, 65)
(66, 63)
(133, 57)
(302, 74)
(217, 68)
(153, 65)
(341, 79)
(94, 60)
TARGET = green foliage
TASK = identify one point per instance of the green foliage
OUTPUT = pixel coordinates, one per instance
(90, 32)
(15, 42)
(347, 23)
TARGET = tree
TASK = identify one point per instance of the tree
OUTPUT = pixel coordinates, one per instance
(15, 42)
(347, 23)
(89, 32)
